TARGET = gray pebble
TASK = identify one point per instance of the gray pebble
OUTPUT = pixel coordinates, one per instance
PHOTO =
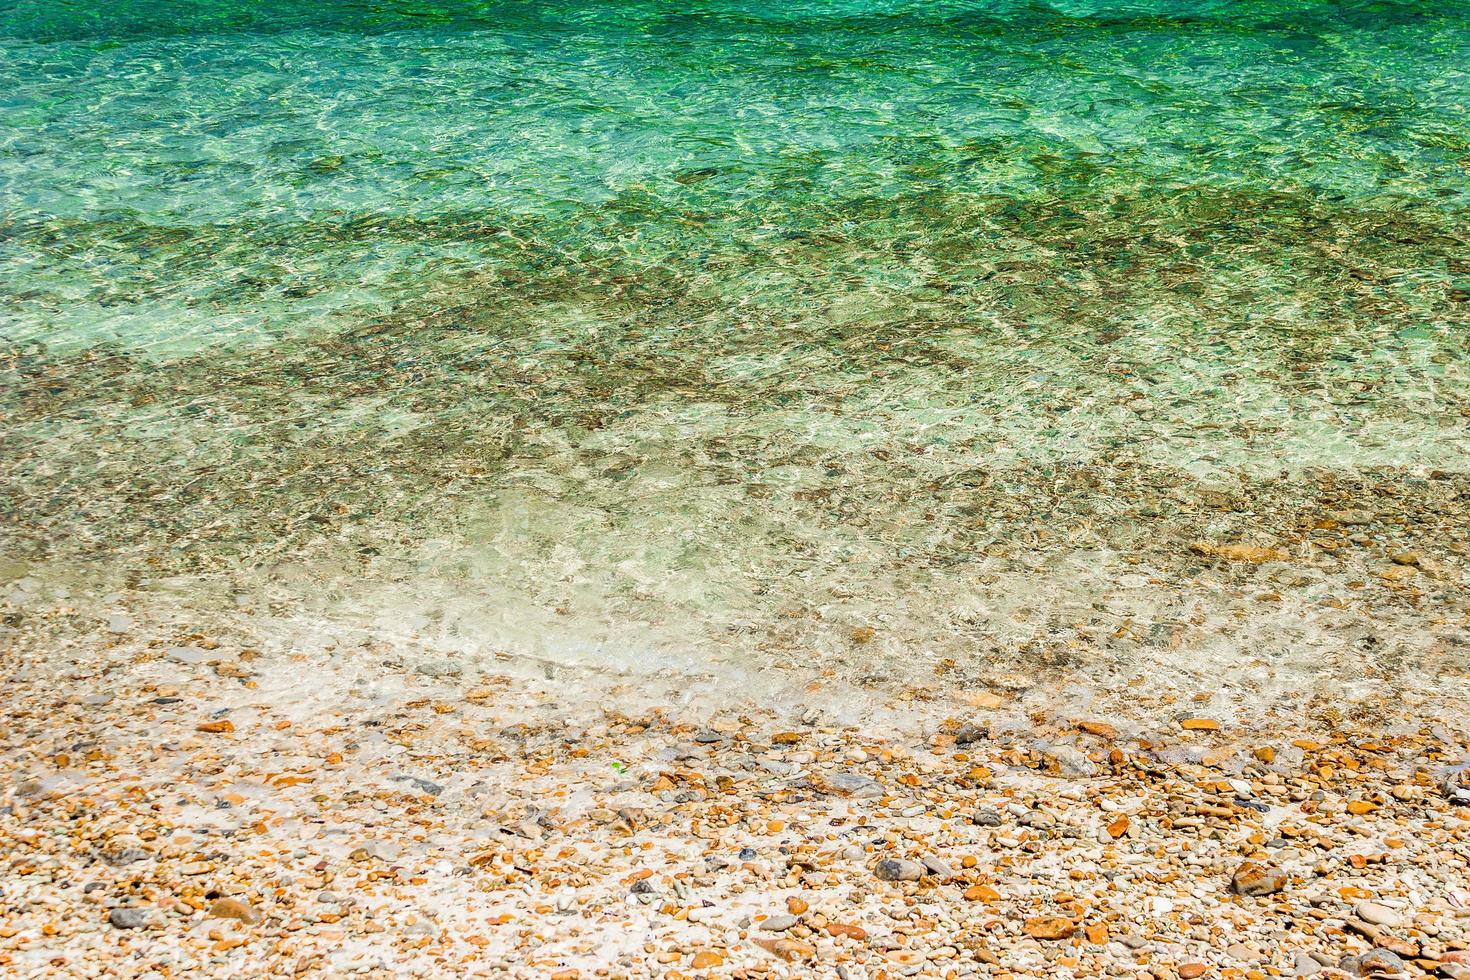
(779, 923)
(897, 869)
(854, 785)
(1305, 966)
(189, 655)
(938, 868)
(128, 918)
(426, 785)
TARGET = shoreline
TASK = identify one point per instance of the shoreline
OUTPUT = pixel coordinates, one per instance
(192, 806)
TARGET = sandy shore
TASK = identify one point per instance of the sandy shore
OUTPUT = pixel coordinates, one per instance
(185, 806)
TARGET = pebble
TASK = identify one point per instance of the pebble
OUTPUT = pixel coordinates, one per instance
(189, 655)
(1049, 927)
(425, 785)
(128, 918)
(935, 866)
(1255, 880)
(779, 923)
(857, 786)
(1378, 915)
(1305, 966)
(1372, 963)
(233, 908)
(898, 869)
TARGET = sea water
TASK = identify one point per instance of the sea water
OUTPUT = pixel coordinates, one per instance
(882, 340)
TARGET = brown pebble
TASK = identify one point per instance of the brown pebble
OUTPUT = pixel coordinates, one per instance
(233, 908)
(789, 950)
(1254, 880)
(1049, 927)
(705, 959)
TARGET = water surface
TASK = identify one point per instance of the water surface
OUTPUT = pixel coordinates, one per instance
(859, 337)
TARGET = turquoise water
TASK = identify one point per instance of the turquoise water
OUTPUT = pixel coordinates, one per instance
(682, 334)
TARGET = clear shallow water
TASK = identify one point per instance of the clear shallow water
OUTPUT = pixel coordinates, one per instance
(650, 334)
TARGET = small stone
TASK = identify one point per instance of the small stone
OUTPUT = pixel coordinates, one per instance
(853, 785)
(1067, 760)
(789, 950)
(708, 736)
(908, 962)
(1199, 725)
(986, 817)
(938, 868)
(970, 734)
(423, 785)
(1379, 915)
(222, 727)
(1049, 927)
(233, 908)
(1189, 971)
(705, 959)
(439, 668)
(128, 918)
(779, 923)
(898, 869)
(981, 893)
(1373, 962)
(1097, 933)
(785, 738)
(1381, 939)
(1243, 952)
(1254, 880)
(1038, 820)
(1456, 785)
(1099, 728)
(1305, 966)
(189, 655)
(1252, 554)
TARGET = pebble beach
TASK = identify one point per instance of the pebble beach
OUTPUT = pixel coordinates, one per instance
(857, 489)
(183, 806)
